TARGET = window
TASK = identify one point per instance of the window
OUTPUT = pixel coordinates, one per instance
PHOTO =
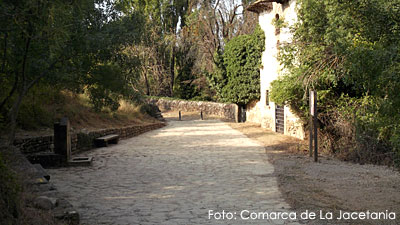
(277, 27)
(267, 97)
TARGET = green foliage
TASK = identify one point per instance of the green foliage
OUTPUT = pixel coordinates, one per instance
(184, 87)
(159, 52)
(237, 77)
(287, 90)
(105, 86)
(349, 52)
(75, 45)
(279, 23)
(150, 109)
(9, 194)
(35, 112)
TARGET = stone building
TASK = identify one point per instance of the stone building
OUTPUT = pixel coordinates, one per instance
(268, 114)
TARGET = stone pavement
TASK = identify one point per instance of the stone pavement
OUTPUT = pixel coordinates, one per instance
(176, 175)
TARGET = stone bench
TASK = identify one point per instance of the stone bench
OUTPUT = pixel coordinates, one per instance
(108, 139)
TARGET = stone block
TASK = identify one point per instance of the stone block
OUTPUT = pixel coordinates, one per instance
(46, 160)
(41, 172)
(44, 202)
(80, 161)
(62, 139)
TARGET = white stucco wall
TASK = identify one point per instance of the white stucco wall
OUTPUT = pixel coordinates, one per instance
(260, 112)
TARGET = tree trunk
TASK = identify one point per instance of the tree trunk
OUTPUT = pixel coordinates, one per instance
(14, 88)
(172, 69)
(13, 117)
(4, 53)
(13, 114)
(146, 80)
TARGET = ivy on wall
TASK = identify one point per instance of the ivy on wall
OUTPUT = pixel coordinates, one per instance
(237, 76)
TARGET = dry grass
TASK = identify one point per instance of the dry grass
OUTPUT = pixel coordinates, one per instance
(83, 116)
(78, 109)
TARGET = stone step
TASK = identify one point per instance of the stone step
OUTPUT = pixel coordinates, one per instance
(41, 172)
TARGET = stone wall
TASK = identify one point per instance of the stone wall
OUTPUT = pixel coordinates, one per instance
(265, 116)
(31, 145)
(83, 140)
(225, 111)
(293, 125)
(253, 112)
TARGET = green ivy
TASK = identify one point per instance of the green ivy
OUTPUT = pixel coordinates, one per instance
(237, 76)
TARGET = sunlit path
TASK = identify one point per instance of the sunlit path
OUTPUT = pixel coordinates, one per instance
(175, 175)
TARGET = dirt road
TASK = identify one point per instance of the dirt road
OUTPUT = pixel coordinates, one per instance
(330, 185)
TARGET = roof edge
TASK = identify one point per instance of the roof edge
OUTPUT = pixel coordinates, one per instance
(263, 5)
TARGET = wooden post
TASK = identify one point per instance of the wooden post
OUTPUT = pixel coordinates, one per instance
(315, 127)
(180, 116)
(311, 102)
(201, 114)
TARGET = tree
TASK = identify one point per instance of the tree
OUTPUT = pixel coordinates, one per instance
(180, 32)
(61, 43)
(217, 22)
(163, 21)
(37, 35)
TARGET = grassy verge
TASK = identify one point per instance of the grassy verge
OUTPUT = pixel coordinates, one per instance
(44, 106)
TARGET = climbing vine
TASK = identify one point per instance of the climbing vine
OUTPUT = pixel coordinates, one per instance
(237, 77)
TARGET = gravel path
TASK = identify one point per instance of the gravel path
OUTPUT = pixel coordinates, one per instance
(185, 173)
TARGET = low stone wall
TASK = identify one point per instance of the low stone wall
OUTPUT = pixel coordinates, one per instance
(31, 145)
(225, 111)
(80, 141)
(85, 140)
(253, 112)
(293, 125)
(265, 116)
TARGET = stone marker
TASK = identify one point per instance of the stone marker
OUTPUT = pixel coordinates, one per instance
(62, 139)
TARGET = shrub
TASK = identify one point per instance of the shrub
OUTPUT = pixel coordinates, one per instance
(237, 77)
(348, 51)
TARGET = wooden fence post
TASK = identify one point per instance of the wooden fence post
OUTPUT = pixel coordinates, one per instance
(313, 125)
(310, 147)
(315, 114)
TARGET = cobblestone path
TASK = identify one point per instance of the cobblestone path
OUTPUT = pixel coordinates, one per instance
(175, 175)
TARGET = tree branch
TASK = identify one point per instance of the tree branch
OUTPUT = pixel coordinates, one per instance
(28, 42)
(5, 53)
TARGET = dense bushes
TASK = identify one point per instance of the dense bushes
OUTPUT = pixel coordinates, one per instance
(237, 77)
(349, 52)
